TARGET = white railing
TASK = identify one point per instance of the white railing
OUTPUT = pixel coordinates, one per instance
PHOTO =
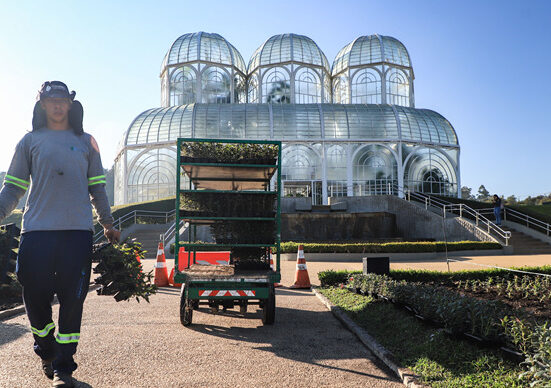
(170, 232)
(132, 218)
(481, 222)
(523, 219)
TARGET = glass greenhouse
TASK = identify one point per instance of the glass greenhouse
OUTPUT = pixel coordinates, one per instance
(349, 130)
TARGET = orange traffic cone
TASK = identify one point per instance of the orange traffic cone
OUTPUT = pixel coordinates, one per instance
(302, 280)
(272, 267)
(161, 273)
(171, 280)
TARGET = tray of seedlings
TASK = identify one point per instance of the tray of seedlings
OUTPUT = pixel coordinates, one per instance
(233, 187)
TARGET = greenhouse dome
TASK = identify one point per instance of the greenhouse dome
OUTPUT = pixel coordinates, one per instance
(373, 69)
(332, 149)
(370, 140)
(202, 67)
(289, 68)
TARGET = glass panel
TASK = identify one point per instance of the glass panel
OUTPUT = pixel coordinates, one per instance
(430, 171)
(397, 87)
(307, 86)
(253, 89)
(257, 121)
(366, 87)
(182, 86)
(341, 94)
(276, 87)
(215, 86)
(239, 89)
(153, 175)
(300, 162)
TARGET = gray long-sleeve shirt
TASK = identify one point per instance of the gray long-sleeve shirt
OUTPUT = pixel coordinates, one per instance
(65, 176)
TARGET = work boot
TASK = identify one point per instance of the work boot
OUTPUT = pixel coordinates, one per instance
(47, 368)
(64, 380)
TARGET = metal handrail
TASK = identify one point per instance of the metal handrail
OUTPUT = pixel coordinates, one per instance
(463, 211)
(530, 221)
(170, 232)
(488, 226)
(521, 218)
(133, 215)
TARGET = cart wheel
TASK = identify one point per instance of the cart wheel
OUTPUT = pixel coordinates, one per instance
(268, 312)
(186, 310)
(243, 308)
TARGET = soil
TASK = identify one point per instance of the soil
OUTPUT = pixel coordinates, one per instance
(535, 308)
(539, 310)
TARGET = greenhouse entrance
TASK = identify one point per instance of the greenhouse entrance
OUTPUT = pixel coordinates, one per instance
(311, 189)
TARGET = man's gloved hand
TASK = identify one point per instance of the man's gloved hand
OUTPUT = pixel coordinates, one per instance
(112, 234)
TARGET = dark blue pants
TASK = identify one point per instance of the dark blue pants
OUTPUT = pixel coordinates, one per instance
(48, 263)
(497, 214)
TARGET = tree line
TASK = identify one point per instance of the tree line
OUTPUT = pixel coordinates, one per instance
(485, 196)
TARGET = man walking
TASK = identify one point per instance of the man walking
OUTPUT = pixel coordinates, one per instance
(61, 166)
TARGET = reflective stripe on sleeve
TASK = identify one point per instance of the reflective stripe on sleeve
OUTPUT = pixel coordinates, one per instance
(44, 332)
(67, 338)
(16, 182)
(96, 182)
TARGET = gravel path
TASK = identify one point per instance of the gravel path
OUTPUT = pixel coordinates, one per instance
(144, 345)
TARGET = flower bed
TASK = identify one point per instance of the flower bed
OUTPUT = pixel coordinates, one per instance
(394, 247)
(441, 361)
(491, 321)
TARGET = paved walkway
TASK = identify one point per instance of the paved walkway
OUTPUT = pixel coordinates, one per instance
(144, 345)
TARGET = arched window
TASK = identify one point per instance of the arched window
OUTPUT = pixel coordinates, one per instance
(152, 175)
(429, 171)
(397, 87)
(341, 93)
(366, 87)
(300, 163)
(182, 86)
(374, 171)
(253, 90)
(215, 86)
(276, 86)
(307, 86)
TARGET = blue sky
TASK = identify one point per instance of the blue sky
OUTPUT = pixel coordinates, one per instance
(484, 65)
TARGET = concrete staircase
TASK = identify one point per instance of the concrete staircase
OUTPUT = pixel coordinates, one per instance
(148, 236)
(526, 245)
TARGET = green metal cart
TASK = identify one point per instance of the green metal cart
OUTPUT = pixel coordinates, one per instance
(217, 286)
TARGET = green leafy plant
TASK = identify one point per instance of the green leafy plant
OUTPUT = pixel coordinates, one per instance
(394, 247)
(238, 153)
(121, 274)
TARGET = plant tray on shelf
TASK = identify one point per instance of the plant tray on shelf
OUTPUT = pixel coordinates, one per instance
(201, 270)
(209, 204)
(232, 153)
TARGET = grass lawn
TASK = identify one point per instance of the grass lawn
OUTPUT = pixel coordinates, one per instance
(440, 360)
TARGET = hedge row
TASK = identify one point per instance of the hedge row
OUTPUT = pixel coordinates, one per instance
(392, 247)
(334, 278)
